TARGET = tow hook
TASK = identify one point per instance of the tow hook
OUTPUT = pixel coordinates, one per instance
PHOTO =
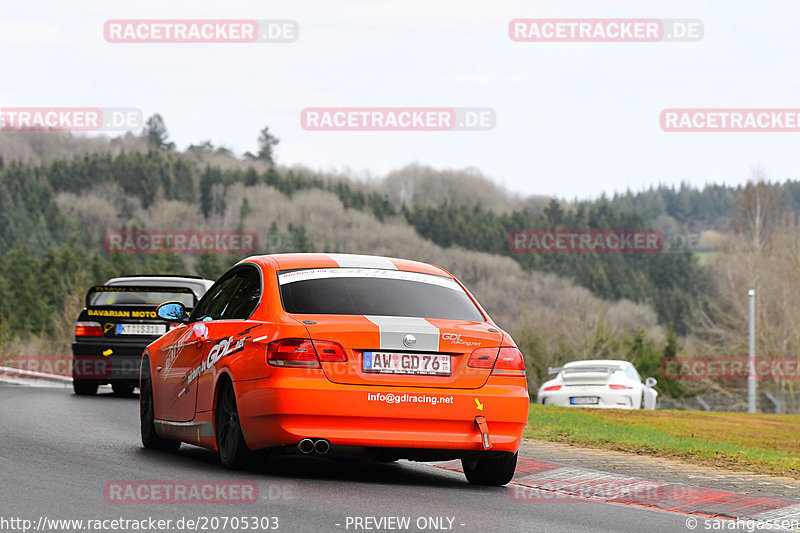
(484, 429)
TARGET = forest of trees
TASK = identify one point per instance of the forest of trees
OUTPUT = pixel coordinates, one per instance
(642, 307)
(671, 282)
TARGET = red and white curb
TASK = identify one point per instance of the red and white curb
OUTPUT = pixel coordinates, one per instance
(542, 482)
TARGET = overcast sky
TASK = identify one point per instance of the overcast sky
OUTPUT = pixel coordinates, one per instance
(573, 119)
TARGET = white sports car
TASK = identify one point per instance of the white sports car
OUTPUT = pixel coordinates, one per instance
(599, 383)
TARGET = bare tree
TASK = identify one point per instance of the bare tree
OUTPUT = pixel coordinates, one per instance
(759, 210)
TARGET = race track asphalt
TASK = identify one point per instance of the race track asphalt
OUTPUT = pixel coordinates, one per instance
(60, 453)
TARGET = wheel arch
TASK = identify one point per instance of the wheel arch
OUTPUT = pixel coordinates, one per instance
(145, 355)
(224, 377)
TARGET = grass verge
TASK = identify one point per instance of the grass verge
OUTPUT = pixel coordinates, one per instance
(768, 444)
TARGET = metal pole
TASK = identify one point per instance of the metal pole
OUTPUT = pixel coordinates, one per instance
(751, 366)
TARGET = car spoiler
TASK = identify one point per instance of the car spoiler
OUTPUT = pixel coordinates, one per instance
(594, 368)
(137, 288)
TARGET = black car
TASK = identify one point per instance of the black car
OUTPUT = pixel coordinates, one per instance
(118, 322)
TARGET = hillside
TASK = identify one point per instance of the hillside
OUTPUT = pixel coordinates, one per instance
(55, 215)
(55, 211)
(452, 209)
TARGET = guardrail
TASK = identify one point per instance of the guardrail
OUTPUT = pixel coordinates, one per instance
(29, 374)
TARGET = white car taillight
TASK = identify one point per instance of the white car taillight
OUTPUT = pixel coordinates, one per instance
(614, 386)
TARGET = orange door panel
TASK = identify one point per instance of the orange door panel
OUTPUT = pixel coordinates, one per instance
(175, 396)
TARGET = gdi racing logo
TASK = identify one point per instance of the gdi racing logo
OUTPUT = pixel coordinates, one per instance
(455, 338)
(223, 348)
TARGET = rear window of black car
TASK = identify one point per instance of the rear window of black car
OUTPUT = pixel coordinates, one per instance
(141, 297)
(375, 292)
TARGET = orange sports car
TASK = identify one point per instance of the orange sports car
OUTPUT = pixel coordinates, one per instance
(337, 354)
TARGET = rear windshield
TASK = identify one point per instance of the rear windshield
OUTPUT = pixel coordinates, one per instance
(141, 298)
(342, 291)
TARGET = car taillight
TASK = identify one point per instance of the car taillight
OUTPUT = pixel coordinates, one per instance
(88, 329)
(552, 388)
(509, 363)
(292, 352)
(614, 386)
(304, 353)
(330, 352)
(482, 358)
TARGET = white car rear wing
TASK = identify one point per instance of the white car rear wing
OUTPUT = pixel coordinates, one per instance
(599, 368)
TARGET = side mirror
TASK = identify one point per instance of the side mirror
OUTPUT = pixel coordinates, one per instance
(172, 312)
(650, 382)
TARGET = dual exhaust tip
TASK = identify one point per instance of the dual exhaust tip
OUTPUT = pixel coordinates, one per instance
(318, 446)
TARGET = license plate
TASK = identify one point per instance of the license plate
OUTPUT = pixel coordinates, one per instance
(141, 329)
(584, 400)
(406, 363)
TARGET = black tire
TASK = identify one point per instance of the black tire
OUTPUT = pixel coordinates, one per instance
(84, 387)
(122, 389)
(150, 438)
(494, 471)
(233, 450)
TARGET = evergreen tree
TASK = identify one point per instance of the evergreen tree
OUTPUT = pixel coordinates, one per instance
(155, 132)
(266, 146)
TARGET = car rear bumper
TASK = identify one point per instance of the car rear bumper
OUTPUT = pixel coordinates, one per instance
(605, 399)
(283, 411)
(105, 361)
